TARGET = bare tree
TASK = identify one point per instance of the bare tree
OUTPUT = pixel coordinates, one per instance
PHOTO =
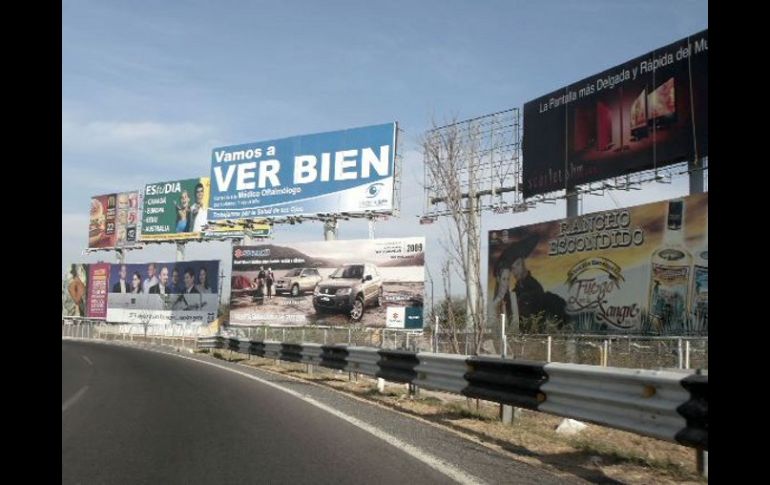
(450, 319)
(451, 156)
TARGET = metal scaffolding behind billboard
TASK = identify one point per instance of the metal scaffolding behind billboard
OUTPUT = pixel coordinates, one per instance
(487, 163)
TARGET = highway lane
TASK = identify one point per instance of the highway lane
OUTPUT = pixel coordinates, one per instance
(134, 416)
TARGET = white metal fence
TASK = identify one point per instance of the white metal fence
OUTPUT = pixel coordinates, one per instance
(637, 352)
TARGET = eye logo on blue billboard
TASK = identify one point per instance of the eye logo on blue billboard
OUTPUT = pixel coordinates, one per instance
(373, 190)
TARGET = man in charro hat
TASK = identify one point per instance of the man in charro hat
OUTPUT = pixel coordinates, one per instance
(530, 296)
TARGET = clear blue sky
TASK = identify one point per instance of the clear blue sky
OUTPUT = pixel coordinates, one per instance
(149, 88)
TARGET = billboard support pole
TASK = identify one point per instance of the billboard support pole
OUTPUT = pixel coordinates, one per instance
(371, 228)
(572, 204)
(330, 229)
(695, 170)
(180, 251)
(121, 255)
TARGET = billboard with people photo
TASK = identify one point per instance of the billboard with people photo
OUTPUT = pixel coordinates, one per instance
(158, 292)
(175, 210)
(358, 282)
(640, 270)
(74, 292)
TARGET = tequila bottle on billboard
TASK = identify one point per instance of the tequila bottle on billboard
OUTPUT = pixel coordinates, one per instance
(670, 271)
(699, 293)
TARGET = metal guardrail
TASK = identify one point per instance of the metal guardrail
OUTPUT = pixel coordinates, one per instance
(641, 401)
(506, 381)
(667, 405)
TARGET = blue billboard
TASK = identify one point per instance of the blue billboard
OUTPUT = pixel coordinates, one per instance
(326, 173)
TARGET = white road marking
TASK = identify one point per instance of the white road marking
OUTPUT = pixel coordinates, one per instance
(87, 360)
(69, 402)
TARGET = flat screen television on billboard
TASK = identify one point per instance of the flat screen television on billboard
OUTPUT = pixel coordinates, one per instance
(662, 104)
(600, 127)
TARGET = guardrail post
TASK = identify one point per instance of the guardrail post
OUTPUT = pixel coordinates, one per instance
(303, 336)
(413, 390)
(605, 353)
(350, 335)
(507, 412)
(686, 354)
(283, 338)
(679, 354)
(380, 385)
(548, 349)
(702, 462)
(325, 336)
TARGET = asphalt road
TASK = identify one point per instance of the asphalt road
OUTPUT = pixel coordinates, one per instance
(135, 416)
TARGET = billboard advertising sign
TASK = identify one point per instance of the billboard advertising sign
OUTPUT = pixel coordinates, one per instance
(161, 293)
(649, 112)
(358, 282)
(175, 210)
(237, 231)
(642, 269)
(341, 171)
(74, 291)
(98, 285)
(113, 220)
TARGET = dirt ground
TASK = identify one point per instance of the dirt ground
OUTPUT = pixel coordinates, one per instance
(596, 454)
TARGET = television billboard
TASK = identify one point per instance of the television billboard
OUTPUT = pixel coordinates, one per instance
(356, 282)
(74, 291)
(113, 220)
(649, 112)
(162, 293)
(175, 210)
(342, 171)
(642, 269)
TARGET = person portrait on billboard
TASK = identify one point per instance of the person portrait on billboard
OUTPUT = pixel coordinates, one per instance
(183, 214)
(259, 285)
(269, 279)
(77, 291)
(151, 279)
(162, 287)
(199, 211)
(176, 282)
(182, 302)
(136, 283)
(122, 286)
(531, 299)
(203, 281)
(189, 281)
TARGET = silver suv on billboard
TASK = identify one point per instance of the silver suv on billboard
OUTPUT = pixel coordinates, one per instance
(350, 288)
(297, 281)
